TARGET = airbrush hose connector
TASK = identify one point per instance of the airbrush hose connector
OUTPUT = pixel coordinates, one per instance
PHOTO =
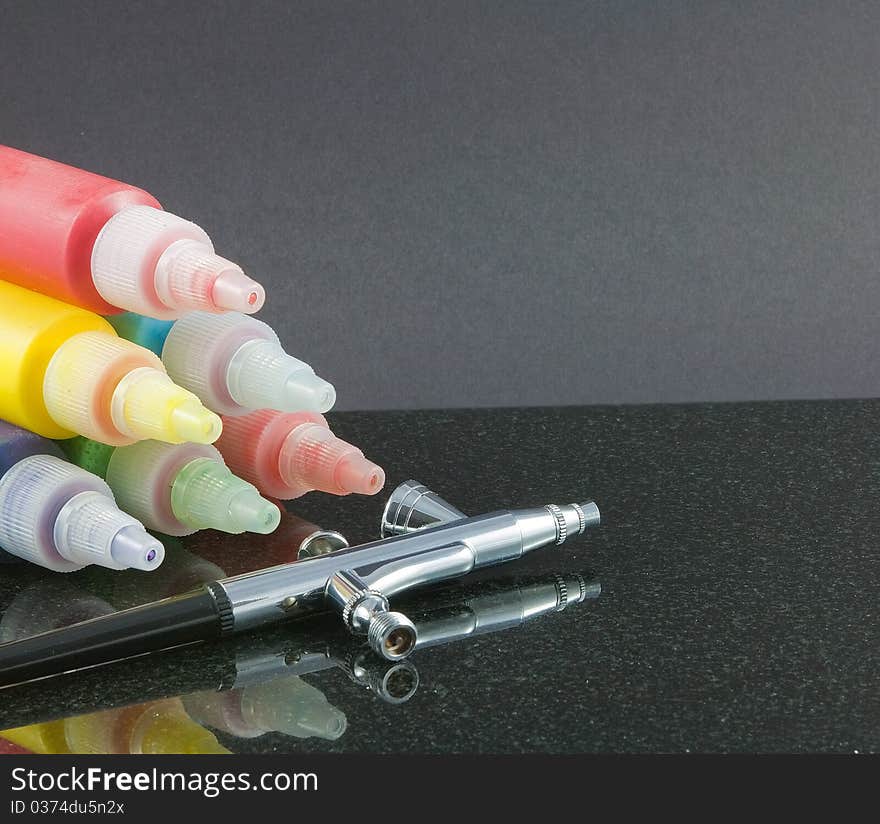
(365, 611)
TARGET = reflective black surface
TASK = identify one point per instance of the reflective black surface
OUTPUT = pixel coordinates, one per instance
(738, 569)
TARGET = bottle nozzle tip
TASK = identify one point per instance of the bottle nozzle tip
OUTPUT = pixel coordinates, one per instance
(306, 392)
(133, 547)
(360, 475)
(234, 291)
(191, 421)
(250, 512)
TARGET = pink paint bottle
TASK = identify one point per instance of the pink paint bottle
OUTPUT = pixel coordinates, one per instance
(289, 454)
(106, 246)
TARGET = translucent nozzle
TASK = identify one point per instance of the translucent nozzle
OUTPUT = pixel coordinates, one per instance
(313, 456)
(261, 375)
(359, 474)
(61, 517)
(206, 495)
(234, 291)
(234, 364)
(146, 404)
(154, 263)
(192, 422)
(305, 390)
(253, 513)
(90, 529)
(133, 547)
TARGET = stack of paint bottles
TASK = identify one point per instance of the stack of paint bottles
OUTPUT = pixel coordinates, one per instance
(126, 350)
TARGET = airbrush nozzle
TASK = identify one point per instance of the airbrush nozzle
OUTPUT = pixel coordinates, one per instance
(357, 582)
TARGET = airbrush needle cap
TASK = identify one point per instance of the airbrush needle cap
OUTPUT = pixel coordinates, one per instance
(235, 363)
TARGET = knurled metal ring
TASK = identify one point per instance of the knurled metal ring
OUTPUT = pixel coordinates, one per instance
(582, 519)
(561, 593)
(583, 587)
(352, 603)
(223, 606)
(561, 528)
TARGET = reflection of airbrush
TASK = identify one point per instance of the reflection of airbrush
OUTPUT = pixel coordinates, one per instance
(247, 683)
(356, 582)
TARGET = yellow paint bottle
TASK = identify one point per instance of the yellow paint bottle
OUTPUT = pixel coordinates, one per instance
(64, 372)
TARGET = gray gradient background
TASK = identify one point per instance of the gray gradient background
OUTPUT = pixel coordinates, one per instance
(472, 204)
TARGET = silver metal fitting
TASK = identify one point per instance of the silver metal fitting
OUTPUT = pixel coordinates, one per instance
(412, 506)
(322, 542)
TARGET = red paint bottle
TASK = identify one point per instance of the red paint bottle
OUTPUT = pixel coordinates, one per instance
(107, 246)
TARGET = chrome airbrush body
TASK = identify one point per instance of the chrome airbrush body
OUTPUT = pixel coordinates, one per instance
(427, 540)
(358, 581)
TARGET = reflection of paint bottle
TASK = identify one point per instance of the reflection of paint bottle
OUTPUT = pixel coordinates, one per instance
(50, 603)
(280, 547)
(181, 571)
(104, 245)
(154, 728)
(45, 739)
(64, 371)
(8, 748)
(60, 516)
(289, 454)
(287, 705)
(176, 488)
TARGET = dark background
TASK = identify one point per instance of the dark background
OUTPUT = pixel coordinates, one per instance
(457, 204)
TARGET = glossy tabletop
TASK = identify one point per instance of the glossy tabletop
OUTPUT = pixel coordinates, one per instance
(729, 601)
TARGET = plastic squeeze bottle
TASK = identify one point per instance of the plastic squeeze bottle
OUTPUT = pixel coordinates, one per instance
(60, 516)
(147, 332)
(65, 371)
(176, 488)
(106, 246)
(233, 363)
(286, 455)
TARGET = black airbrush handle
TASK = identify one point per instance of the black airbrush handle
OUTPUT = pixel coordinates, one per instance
(172, 622)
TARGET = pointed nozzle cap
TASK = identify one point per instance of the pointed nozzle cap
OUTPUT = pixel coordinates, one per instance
(359, 474)
(133, 547)
(312, 457)
(260, 374)
(91, 529)
(412, 506)
(206, 495)
(251, 512)
(234, 291)
(305, 391)
(148, 405)
(190, 421)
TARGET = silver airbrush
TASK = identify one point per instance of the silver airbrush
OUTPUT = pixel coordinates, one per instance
(425, 540)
